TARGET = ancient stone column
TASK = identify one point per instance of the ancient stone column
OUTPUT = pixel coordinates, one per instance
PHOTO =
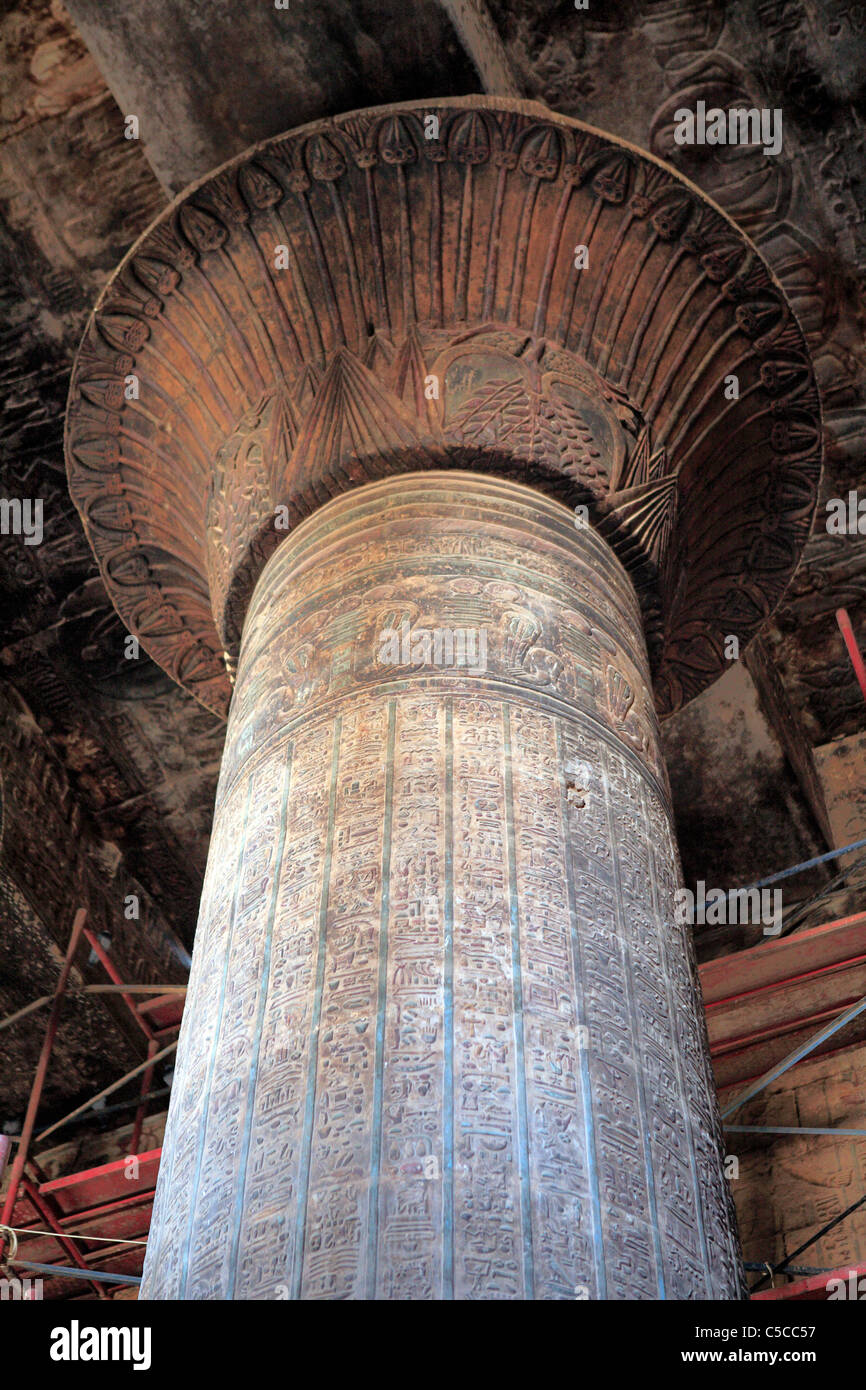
(443, 1038)
(463, 439)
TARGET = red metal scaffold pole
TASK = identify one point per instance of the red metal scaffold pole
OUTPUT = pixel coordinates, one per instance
(17, 1169)
(847, 631)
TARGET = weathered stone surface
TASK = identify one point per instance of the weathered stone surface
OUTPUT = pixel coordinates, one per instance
(51, 863)
(207, 82)
(141, 758)
(714, 748)
(789, 1186)
(443, 1038)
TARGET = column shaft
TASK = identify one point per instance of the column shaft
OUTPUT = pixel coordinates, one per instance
(443, 1038)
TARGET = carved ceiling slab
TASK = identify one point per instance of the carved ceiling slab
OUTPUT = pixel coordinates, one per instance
(429, 308)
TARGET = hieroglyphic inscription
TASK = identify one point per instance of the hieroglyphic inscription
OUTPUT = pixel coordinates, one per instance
(444, 1037)
(337, 1206)
(630, 1264)
(268, 1256)
(408, 1121)
(555, 1040)
(167, 1244)
(222, 1134)
(489, 1242)
(715, 1203)
(684, 1264)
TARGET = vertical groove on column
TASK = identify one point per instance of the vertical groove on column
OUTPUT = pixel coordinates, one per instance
(517, 996)
(579, 977)
(202, 1133)
(685, 1109)
(643, 1113)
(448, 1021)
(309, 1108)
(264, 984)
(381, 996)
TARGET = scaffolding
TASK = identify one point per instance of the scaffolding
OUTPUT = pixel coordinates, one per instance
(769, 1008)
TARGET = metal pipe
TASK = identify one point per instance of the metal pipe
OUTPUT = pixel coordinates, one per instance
(806, 864)
(146, 1079)
(66, 1272)
(782, 1268)
(114, 975)
(853, 649)
(106, 1110)
(35, 1197)
(794, 1129)
(796, 1056)
(41, 1072)
(790, 921)
(138, 1199)
(115, 1243)
(106, 1091)
(91, 989)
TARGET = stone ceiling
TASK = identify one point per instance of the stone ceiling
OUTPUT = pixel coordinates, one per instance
(136, 754)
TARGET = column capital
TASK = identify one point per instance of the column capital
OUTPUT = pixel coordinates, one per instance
(473, 282)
